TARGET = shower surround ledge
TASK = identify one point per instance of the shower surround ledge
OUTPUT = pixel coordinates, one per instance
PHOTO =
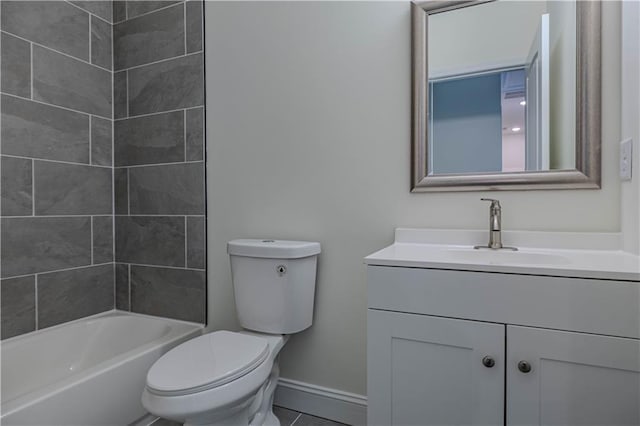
(561, 254)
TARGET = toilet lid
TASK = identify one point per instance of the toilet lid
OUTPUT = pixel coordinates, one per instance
(206, 362)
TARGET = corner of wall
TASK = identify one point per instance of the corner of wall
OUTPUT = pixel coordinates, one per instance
(630, 127)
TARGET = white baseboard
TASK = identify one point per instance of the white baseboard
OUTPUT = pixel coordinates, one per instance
(332, 404)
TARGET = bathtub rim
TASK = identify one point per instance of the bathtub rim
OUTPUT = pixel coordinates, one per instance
(23, 401)
(109, 313)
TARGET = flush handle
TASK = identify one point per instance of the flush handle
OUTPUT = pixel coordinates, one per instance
(488, 361)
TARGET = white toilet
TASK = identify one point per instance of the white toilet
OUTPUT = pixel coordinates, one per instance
(229, 378)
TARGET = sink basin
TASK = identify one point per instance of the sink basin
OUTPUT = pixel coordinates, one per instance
(506, 257)
(562, 254)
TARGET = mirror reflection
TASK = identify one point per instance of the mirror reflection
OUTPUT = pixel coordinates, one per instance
(501, 93)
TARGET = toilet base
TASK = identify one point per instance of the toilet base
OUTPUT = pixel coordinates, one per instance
(255, 411)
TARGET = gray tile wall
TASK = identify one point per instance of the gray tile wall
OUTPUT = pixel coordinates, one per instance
(159, 159)
(56, 186)
(101, 161)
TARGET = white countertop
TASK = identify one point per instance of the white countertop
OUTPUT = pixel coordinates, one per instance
(563, 254)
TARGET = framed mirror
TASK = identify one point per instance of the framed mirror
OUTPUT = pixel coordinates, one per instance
(506, 95)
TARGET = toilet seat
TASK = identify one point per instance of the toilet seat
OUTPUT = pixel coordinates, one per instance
(206, 362)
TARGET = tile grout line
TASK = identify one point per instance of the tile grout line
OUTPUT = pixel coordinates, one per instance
(160, 61)
(128, 195)
(144, 215)
(156, 113)
(61, 216)
(184, 136)
(296, 419)
(92, 240)
(147, 215)
(132, 166)
(53, 105)
(185, 26)
(186, 239)
(35, 284)
(33, 187)
(115, 306)
(152, 11)
(90, 140)
(113, 170)
(129, 284)
(42, 46)
(56, 270)
(31, 69)
(126, 76)
(111, 25)
(62, 162)
(90, 42)
(180, 268)
(89, 12)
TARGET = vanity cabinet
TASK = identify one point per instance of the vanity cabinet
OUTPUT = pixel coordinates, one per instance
(429, 370)
(575, 378)
(473, 348)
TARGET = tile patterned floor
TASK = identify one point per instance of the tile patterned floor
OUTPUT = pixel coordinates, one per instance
(164, 422)
(287, 418)
(294, 418)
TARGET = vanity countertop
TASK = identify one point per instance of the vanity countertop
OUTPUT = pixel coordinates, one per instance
(562, 254)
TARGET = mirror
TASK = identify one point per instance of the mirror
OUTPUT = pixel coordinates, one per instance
(506, 95)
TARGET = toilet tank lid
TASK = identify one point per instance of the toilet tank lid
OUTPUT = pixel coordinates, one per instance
(274, 249)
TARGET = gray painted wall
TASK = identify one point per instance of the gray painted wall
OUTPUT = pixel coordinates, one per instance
(62, 199)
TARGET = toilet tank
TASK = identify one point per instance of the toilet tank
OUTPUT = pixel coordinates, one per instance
(274, 283)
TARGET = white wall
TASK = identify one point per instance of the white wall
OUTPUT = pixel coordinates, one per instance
(308, 136)
(562, 132)
(513, 152)
(630, 191)
(486, 36)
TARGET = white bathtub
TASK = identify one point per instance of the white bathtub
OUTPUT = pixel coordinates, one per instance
(87, 372)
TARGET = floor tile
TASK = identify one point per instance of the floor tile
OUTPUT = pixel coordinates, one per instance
(286, 416)
(307, 420)
(165, 422)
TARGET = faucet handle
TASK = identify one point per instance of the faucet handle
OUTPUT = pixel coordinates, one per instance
(494, 202)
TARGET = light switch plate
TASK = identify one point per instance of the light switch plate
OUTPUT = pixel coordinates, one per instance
(626, 159)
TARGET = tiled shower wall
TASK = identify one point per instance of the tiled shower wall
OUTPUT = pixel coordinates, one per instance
(56, 178)
(159, 159)
(58, 181)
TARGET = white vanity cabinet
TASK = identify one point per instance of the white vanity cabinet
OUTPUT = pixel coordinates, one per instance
(448, 347)
(575, 378)
(430, 370)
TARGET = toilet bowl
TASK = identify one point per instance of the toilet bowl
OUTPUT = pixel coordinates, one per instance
(229, 378)
(215, 378)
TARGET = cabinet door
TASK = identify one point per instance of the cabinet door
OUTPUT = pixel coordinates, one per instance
(575, 379)
(425, 370)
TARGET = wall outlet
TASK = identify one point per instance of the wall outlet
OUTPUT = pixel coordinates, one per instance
(626, 159)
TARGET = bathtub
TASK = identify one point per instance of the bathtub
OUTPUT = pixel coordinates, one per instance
(87, 372)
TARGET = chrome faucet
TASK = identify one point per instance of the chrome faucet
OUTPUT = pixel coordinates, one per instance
(495, 227)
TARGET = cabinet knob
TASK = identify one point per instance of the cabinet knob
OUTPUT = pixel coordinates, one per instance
(524, 366)
(488, 361)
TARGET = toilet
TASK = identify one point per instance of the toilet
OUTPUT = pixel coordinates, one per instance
(229, 378)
